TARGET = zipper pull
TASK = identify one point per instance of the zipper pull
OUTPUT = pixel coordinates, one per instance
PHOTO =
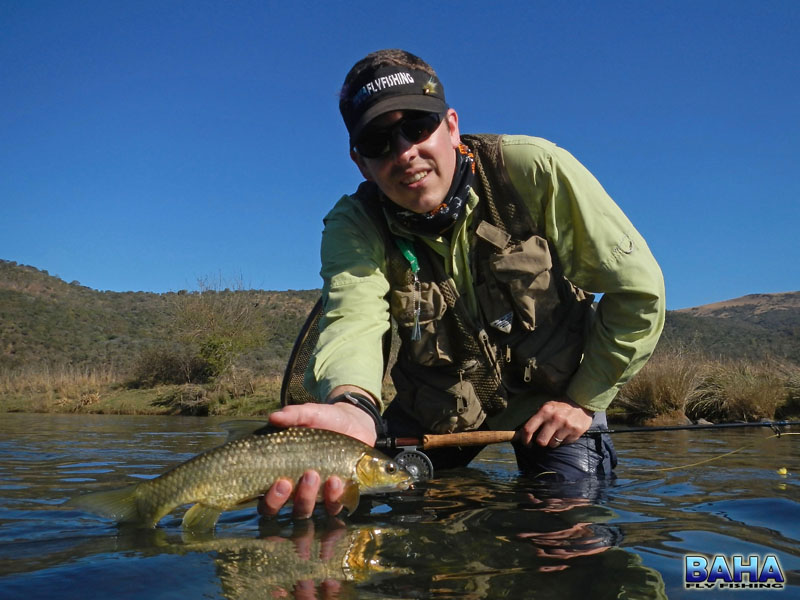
(407, 249)
(530, 366)
(460, 404)
(416, 332)
(508, 354)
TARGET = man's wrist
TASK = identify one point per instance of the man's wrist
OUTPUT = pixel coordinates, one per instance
(363, 402)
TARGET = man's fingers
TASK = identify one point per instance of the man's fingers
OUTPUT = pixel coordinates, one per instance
(275, 498)
(299, 415)
(340, 417)
(557, 422)
(305, 496)
(546, 436)
(333, 491)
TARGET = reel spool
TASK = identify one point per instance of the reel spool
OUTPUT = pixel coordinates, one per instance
(416, 463)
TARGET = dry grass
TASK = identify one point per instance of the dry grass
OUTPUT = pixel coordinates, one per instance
(742, 391)
(70, 389)
(665, 386)
(677, 384)
(673, 385)
(62, 386)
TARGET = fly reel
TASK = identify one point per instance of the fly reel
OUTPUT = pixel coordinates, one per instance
(417, 463)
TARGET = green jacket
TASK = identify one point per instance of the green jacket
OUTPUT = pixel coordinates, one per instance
(599, 249)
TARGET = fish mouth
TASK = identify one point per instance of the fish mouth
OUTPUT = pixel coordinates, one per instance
(389, 489)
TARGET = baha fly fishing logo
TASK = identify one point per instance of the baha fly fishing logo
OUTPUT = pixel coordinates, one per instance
(736, 572)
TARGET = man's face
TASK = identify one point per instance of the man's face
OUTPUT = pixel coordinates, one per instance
(414, 176)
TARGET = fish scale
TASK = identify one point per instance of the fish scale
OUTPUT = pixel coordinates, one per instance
(243, 469)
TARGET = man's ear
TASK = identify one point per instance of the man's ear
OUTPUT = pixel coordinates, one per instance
(356, 158)
(452, 125)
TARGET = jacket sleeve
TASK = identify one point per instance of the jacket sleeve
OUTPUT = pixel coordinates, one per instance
(602, 253)
(356, 314)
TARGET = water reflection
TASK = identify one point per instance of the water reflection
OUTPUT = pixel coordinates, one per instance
(515, 538)
(480, 532)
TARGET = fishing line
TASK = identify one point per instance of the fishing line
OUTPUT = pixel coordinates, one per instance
(713, 458)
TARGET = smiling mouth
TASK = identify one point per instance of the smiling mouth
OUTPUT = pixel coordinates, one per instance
(414, 178)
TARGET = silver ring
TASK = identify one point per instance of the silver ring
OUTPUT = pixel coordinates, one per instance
(558, 441)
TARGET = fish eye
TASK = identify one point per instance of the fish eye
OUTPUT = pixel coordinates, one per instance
(391, 468)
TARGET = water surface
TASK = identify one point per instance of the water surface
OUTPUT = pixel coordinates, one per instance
(479, 532)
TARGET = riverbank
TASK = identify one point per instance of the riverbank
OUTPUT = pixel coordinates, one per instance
(92, 394)
(673, 388)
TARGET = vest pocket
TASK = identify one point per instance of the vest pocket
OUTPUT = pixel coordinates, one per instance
(526, 270)
(546, 359)
(454, 408)
(433, 348)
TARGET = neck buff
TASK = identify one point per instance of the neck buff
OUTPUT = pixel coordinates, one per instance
(444, 216)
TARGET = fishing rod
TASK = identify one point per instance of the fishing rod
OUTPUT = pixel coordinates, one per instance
(417, 462)
(481, 438)
(774, 425)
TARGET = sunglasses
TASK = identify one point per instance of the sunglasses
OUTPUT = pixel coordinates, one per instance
(415, 126)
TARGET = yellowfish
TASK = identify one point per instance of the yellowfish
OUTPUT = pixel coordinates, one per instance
(245, 468)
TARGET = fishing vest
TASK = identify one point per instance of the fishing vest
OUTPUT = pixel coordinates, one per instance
(454, 368)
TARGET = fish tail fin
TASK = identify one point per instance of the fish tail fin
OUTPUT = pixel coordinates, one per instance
(201, 517)
(351, 497)
(119, 505)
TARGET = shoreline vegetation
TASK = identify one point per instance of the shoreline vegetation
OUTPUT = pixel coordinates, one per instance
(221, 350)
(675, 387)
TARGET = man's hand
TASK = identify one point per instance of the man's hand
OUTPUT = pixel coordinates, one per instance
(341, 417)
(557, 422)
(305, 496)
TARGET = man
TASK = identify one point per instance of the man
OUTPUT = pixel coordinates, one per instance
(481, 248)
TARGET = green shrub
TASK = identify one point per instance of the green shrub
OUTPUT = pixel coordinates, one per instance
(162, 366)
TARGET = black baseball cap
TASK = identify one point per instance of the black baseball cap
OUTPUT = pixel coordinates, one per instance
(387, 88)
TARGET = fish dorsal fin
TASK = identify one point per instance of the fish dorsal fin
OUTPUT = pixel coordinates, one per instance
(241, 428)
(351, 497)
(201, 517)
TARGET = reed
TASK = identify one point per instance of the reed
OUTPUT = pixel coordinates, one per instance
(742, 391)
(60, 380)
(674, 386)
(661, 390)
(677, 385)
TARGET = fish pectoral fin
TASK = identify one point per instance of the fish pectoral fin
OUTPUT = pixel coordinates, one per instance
(201, 517)
(350, 497)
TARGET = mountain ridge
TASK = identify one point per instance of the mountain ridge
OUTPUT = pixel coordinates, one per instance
(45, 320)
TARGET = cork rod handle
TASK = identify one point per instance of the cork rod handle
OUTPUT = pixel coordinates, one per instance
(466, 438)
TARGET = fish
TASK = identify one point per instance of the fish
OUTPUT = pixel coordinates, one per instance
(242, 469)
(275, 566)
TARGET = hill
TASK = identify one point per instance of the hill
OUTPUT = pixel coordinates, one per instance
(47, 321)
(752, 327)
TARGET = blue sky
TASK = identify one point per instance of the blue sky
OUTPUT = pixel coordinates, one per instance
(148, 145)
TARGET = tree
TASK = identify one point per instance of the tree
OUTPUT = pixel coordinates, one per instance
(220, 326)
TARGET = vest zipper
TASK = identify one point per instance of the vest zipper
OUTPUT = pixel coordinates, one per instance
(529, 366)
(416, 333)
(460, 404)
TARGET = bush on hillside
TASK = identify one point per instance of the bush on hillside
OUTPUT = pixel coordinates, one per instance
(163, 366)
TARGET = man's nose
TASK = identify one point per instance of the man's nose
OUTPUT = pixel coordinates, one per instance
(401, 146)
